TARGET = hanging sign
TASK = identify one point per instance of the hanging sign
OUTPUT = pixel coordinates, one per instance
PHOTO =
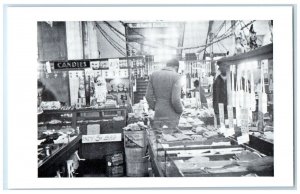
(71, 65)
(48, 67)
(230, 116)
(181, 68)
(264, 66)
(244, 120)
(221, 112)
(95, 65)
(110, 137)
(229, 132)
(233, 92)
(113, 64)
(243, 139)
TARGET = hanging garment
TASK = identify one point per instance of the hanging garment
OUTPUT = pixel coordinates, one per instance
(233, 92)
(241, 94)
(247, 97)
(263, 98)
(252, 94)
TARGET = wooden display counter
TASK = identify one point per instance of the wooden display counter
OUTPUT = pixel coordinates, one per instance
(52, 163)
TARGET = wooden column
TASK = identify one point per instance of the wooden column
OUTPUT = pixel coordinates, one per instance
(89, 35)
(74, 40)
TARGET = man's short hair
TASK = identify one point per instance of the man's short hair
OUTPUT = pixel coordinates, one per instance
(173, 63)
(40, 84)
(219, 63)
(196, 83)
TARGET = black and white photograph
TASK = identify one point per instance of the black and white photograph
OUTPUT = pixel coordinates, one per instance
(155, 98)
(112, 97)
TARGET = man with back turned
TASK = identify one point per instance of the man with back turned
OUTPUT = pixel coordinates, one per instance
(164, 93)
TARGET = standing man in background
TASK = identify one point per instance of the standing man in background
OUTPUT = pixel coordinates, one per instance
(198, 89)
(220, 91)
(44, 94)
(164, 92)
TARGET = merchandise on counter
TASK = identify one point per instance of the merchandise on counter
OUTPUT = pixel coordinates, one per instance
(51, 136)
(247, 156)
(110, 104)
(139, 126)
(64, 139)
(198, 138)
(200, 130)
(169, 138)
(54, 121)
(188, 132)
(269, 135)
(209, 134)
(259, 165)
(229, 169)
(180, 136)
(50, 105)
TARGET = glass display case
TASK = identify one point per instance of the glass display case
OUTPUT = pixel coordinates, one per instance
(176, 154)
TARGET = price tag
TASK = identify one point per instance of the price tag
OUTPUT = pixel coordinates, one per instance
(230, 116)
(221, 114)
(229, 132)
(111, 137)
(113, 64)
(222, 129)
(243, 139)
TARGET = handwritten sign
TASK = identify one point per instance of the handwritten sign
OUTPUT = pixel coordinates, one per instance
(113, 64)
(243, 139)
(221, 112)
(230, 116)
(229, 132)
(110, 137)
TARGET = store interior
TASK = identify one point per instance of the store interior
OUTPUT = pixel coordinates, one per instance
(95, 120)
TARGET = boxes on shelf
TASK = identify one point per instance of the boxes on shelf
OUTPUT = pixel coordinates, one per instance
(115, 165)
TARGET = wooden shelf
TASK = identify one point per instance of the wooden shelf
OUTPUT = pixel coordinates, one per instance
(264, 52)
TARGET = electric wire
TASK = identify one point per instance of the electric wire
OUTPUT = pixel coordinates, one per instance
(119, 34)
(115, 42)
(109, 41)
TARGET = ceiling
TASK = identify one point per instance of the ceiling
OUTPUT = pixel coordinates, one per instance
(164, 39)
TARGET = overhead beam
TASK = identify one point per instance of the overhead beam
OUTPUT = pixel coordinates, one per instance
(181, 39)
(210, 24)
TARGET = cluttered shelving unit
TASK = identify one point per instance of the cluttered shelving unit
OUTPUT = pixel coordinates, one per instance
(62, 140)
(260, 136)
